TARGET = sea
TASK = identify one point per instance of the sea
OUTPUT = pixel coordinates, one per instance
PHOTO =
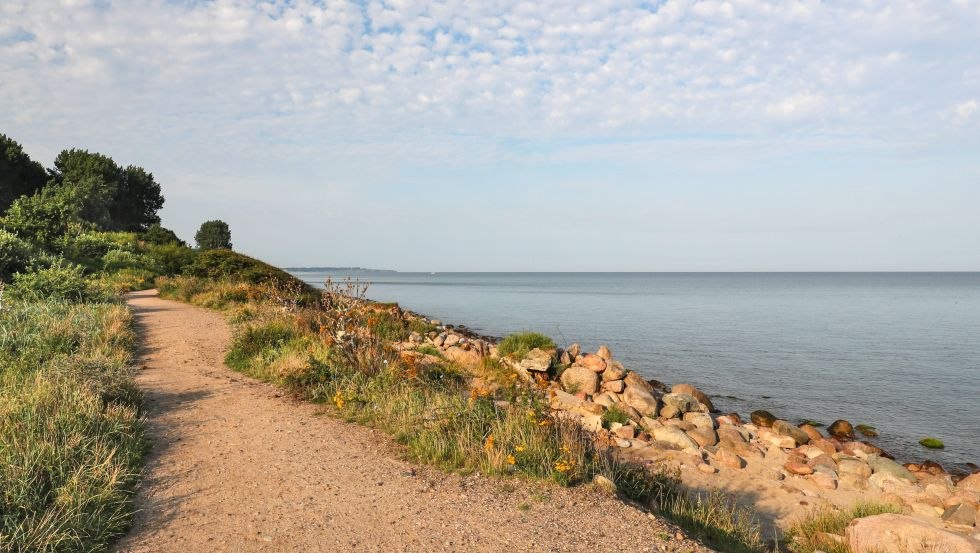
(897, 351)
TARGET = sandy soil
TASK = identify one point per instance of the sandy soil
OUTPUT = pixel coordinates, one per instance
(236, 466)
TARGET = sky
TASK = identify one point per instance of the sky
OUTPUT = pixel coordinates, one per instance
(526, 136)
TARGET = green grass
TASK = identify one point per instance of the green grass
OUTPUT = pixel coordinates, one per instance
(518, 345)
(715, 519)
(804, 536)
(614, 414)
(71, 439)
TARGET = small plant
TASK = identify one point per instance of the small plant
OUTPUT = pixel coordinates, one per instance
(806, 534)
(932, 443)
(518, 345)
(614, 414)
(716, 519)
(62, 281)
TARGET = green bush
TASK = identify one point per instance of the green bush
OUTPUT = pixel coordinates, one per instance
(519, 344)
(161, 236)
(220, 264)
(42, 218)
(808, 534)
(253, 342)
(115, 260)
(614, 414)
(15, 255)
(171, 259)
(213, 235)
(61, 281)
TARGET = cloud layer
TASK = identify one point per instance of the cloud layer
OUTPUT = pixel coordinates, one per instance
(214, 93)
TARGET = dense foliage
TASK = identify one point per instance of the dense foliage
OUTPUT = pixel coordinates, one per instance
(19, 175)
(213, 235)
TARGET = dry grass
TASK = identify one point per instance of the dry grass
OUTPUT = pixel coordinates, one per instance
(808, 534)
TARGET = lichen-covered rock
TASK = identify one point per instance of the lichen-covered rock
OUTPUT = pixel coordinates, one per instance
(891, 532)
(784, 428)
(689, 389)
(762, 418)
(576, 379)
(537, 360)
(682, 402)
(855, 467)
(883, 465)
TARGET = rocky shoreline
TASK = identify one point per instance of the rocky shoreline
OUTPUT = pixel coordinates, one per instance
(780, 468)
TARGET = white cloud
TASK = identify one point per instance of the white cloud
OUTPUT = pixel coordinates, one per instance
(964, 111)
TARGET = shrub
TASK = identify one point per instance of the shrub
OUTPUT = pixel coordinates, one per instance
(228, 265)
(161, 236)
(88, 245)
(61, 281)
(806, 534)
(171, 259)
(519, 344)
(42, 218)
(252, 342)
(15, 255)
(115, 260)
(213, 235)
(614, 414)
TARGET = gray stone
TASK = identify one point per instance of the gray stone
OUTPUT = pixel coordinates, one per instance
(784, 428)
(536, 360)
(886, 466)
(682, 402)
(673, 436)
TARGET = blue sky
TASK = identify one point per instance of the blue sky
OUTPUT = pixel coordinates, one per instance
(547, 135)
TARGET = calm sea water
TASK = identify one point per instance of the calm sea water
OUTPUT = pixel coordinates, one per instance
(899, 351)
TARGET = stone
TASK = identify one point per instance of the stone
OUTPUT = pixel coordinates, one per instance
(606, 399)
(580, 379)
(887, 466)
(861, 450)
(731, 418)
(682, 402)
(700, 420)
(669, 412)
(614, 371)
(685, 426)
(855, 467)
(604, 485)
(707, 469)
(451, 340)
(564, 401)
(853, 482)
(812, 432)
(823, 460)
(689, 389)
(771, 474)
(970, 483)
(727, 458)
(778, 440)
(592, 423)
(464, 358)
(703, 436)
(784, 428)
(891, 532)
(641, 400)
(794, 466)
(762, 419)
(627, 432)
(961, 515)
(649, 424)
(673, 436)
(415, 338)
(634, 379)
(574, 351)
(592, 362)
(537, 360)
(841, 429)
(439, 340)
(565, 358)
(824, 480)
(731, 435)
(604, 353)
(615, 386)
(824, 445)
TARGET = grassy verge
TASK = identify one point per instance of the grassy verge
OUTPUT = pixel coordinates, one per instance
(71, 439)
(815, 531)
(338, 352)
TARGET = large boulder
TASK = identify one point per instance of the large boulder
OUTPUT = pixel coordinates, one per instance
(891, 532)
(641, 400)
(784, 428)
(614, 371)
(604, 353)
(673, 436)
(884, 465)
(592, 362)
(841, 429)
(762, 418)
(634, 379)
(684, 403)
(537, 360)
(615, 386)
(577, 379)
(463, 357)
(970, 483)
(689, 389)
(703, 436)
(700, 420)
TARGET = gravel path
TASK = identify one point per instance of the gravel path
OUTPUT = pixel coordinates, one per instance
(235, 466)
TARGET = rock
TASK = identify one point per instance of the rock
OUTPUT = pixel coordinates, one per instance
(464, 358)
(970, 483)
(439, 340)
(855, 467)
(684, 403)
(824, 445)
(853, 482)
(615, 386)
(700, 420)
(727, 458)
(641, 400)
(812, 432)
(627, 432)
(451, 340)
(685, 426)
(590, 422)
(604, 353)
(884, 465)
(731, 418)
(731, 435)
(770, 474)
(891, 532)
(565, 401)
(669, 411)
(841, 429)
(564, 359)
(784, 428)
(579, 379)
(673, 436)
(762, 419)
(690, 390)
(778, 440)
(415, 338)
(634, 379)
(537, 360)
(592, 362)
(797, 467)
(825, 480)
(861, 450)
(707, 469)
(574, 351)
(435, 322)
(649, 424)
(604, 484)
(614, 371)
(703, 436)
(606, 399)
(962, 515)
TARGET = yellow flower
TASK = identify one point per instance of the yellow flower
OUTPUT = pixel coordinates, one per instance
(519, 448)
(563, 466)
(488, 445)
(565, 449)
(544, 422)
(511, 460)
(338, 400)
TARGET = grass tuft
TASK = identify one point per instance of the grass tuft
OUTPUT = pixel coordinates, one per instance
(807, 535)
(518, 345)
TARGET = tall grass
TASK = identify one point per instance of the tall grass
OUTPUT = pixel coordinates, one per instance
(71, 439)
(808, 534)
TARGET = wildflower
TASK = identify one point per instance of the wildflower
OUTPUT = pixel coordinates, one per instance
(563, 466)
(545, 422)
(338, 399)
(488, 445)
(565, 449)
(520, 449)
(511, 460)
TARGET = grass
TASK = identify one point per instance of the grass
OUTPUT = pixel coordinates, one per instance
(614, 414)
(430, 408)
(806, 535)
(518, 345)
(71, 438)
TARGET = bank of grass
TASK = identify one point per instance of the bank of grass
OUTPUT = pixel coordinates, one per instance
(809, 533)
(428, 405)
(518, 345)
(71, 438)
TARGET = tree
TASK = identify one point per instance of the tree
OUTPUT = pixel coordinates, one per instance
(159, 235)
(213, 235)
(41, 218)
(92, 181)
(136, 201)
(19, 175)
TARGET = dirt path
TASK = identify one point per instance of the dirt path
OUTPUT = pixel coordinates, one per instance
(237, 467)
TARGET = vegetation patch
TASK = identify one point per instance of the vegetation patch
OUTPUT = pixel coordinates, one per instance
(932, 443)
(808, 534)
(518, 345)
